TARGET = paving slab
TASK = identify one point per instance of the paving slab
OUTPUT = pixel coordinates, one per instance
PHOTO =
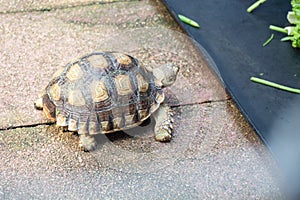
(39, 5)
(205, 160)
(214, 154)
(36, 44)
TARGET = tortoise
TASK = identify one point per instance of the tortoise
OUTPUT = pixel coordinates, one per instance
(104, 92)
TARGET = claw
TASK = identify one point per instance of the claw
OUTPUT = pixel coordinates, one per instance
(87, 143)
(165, 127)
(166, 123)
(81, 147)
(163, 137)
(171, 119)
(170, 113)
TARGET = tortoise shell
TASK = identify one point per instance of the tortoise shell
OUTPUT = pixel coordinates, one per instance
(102, 92)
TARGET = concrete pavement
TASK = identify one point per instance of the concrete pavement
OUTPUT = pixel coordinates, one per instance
(214, 154)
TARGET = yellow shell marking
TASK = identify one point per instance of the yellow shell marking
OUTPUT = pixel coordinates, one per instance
(76, 98)
(99, 91)
(117, 122)
(72, 125)
(122, 58)
(55, 92)
(97, 61)
(104, 125)
(143, 85)
(74, 72)
(129, 119)
(143, 114)
(123, 84)
(61, 120)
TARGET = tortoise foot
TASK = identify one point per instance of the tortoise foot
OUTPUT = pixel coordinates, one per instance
(38, 104)
(164, 124)
(87, 143)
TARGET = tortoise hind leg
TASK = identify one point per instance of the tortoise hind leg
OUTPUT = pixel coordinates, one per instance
(38, 104)
(164, 123)
(87, 142)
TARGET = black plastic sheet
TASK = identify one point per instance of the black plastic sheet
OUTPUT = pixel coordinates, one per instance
(234, 38)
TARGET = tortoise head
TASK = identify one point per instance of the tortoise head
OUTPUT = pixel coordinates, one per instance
(166, 74)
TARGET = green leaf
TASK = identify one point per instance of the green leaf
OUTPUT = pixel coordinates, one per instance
(188, 21)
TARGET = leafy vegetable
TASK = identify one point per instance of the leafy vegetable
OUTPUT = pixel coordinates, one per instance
(188, 21)
(255, 5)
(293, 31)
(278, 29)
(275, 85)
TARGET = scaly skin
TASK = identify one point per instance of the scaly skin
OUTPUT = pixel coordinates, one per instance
(38, 104)
(164, 123)
(87, 142)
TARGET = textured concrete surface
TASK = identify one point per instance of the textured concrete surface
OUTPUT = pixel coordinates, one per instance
(214, 154)
(39, 5)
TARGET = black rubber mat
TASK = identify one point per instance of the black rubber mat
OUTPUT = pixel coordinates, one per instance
(233, 38)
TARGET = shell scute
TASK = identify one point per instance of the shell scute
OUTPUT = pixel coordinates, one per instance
(76, 98)
(123, 84)
(74, 72)
(55, 91)
(97, 61)
(102, 92)
(98, 91)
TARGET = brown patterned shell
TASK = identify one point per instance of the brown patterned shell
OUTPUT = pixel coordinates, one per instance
(102, 92)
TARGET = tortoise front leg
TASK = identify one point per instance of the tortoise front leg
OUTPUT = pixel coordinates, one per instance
(164, 123)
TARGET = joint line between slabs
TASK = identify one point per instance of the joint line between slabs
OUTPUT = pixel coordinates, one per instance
(25, 126)
(199, 103)
(172, 106)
